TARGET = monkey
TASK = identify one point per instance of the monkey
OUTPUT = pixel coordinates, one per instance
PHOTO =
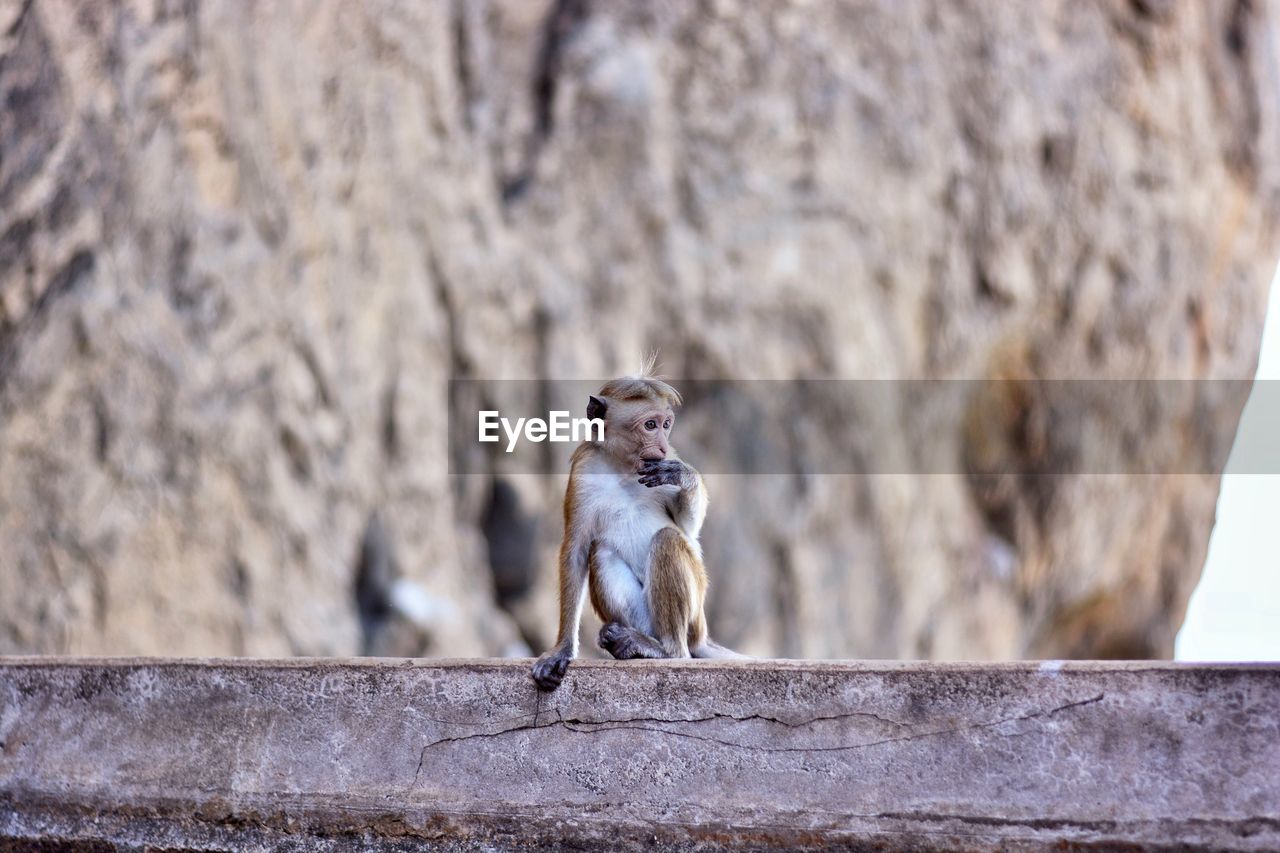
(632, 514)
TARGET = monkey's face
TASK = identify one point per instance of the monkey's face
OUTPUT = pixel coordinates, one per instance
(638, 431)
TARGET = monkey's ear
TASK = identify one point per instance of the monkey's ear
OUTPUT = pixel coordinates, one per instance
(596, 407)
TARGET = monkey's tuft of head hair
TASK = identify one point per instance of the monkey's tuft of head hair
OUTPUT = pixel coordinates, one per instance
(645, 386)
(650, 366)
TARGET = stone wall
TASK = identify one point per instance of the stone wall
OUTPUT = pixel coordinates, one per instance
(243, 246)
(637, 756)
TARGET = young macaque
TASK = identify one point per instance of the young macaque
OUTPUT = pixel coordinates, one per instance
(632, 514)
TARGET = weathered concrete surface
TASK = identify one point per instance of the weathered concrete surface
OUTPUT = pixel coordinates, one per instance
(243, 245)
(229, 754)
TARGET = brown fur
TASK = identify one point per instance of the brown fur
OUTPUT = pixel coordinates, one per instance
(599, 603)
(677, 589)
(570, 583)
(640, 388)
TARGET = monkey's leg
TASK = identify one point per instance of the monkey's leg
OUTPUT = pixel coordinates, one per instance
(619, 601)
(677, 584)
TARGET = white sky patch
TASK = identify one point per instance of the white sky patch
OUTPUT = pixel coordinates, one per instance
(1235, 611)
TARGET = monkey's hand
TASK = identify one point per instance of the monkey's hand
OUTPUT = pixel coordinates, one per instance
(549, 670)
(667, 472)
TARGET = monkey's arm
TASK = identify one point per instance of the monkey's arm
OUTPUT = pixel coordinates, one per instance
(689, 504)
(549, 669)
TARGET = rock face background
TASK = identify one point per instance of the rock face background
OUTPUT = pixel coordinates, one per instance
(244, 246)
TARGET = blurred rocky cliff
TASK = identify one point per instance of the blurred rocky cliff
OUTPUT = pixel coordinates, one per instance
(244, 246)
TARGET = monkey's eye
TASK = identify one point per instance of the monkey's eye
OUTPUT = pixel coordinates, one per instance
(666, 424)
(651, 424)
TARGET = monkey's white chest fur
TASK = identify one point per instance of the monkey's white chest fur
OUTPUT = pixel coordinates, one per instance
(626, 517)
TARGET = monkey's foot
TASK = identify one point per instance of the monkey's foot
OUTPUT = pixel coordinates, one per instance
(622, 642)
(549, 669)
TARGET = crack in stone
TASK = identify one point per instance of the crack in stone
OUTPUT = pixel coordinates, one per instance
(536, 713)
(20, 18)
(562, 21)
(580, 726)
(422, 756)
(1239, 826)
(849, 747)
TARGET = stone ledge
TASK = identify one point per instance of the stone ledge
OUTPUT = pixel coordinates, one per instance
(228, 754)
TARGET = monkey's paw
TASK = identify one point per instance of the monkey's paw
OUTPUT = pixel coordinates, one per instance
(663, 472)
(549, 670)
(619, 641)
